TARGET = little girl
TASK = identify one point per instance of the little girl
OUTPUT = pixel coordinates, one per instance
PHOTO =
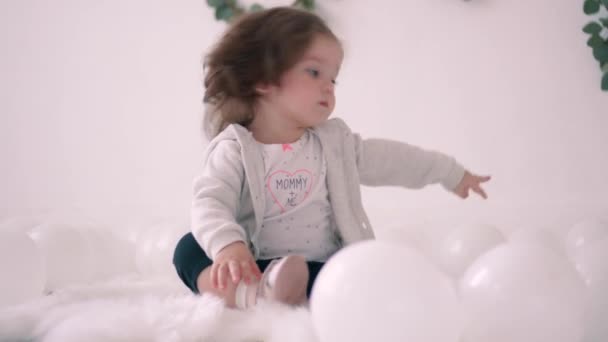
(279, 192)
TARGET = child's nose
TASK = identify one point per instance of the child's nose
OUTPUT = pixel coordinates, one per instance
(329, 86)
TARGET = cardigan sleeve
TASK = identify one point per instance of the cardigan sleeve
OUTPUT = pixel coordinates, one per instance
(216, 193)
(389, 162)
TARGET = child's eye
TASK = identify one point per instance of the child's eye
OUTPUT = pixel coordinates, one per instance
(313, 72)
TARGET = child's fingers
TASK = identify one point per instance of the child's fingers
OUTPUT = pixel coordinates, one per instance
(256, 270)
(222, 274)
(214, 268)
(248, 272)
(235, 271)
(480, 191)
(483, 179)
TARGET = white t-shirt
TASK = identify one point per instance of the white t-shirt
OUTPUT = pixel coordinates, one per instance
(298, 217)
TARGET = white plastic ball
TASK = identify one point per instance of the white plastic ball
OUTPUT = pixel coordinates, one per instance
(592, 264)
(22, 268)
(114, 254)
(522, 292)
(585, 233)
(381, 291)
(539, 236)
(68, 254)
(455, 251)
(19, 223)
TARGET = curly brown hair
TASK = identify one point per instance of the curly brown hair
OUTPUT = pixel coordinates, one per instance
(256, 49)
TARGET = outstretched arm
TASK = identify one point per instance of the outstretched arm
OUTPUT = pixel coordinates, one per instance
(388, 162)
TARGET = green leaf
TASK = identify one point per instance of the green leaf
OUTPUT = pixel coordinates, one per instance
(238, 11)
(604, 66)
(605, 2)
(256, 7)
(595, 41)
(604, 22)
(601, 53)
(309, 4)
(592, 28)
(605, 81)
(591, 7)
(215, 3)
(223, 13)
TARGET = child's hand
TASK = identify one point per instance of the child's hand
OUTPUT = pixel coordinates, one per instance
(471, 182)
(234, 261)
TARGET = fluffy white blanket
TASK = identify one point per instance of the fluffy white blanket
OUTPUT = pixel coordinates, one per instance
(140, 308)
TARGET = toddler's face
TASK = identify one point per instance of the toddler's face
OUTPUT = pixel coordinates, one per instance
(306, 92)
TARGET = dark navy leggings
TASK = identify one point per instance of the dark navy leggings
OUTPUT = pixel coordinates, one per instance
(190, 260)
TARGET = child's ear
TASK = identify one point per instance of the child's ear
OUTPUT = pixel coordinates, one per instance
(263, 88)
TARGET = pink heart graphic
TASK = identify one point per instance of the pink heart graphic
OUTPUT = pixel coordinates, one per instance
(291, 188)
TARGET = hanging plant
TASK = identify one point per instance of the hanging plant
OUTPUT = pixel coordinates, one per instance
(597, 30)
(228, 10)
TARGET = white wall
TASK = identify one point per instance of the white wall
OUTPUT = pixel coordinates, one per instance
(100, 104)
